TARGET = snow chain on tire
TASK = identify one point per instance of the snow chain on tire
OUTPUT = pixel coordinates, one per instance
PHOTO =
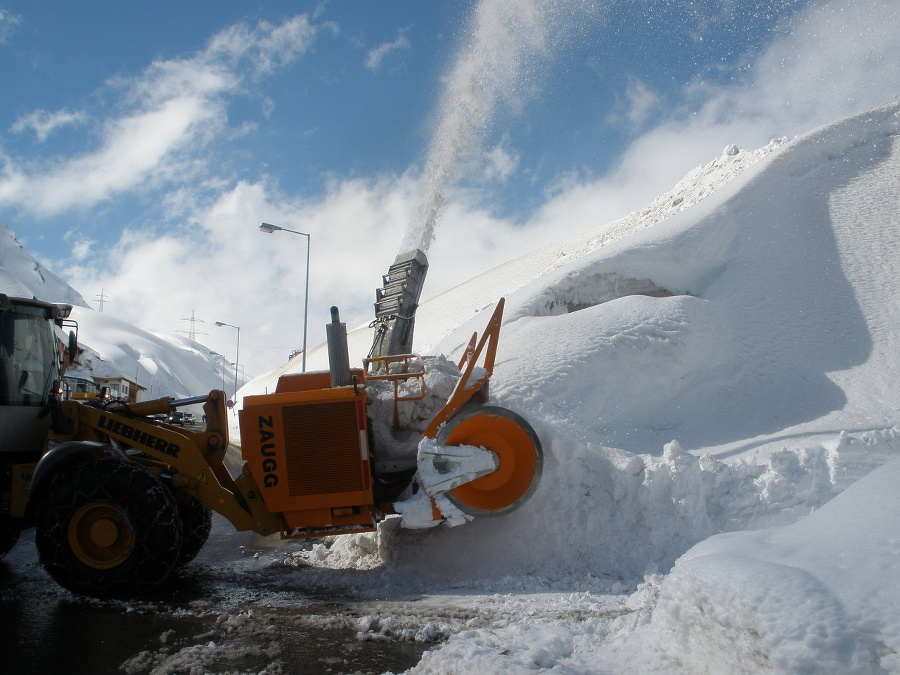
(196, 524)
(108, 527)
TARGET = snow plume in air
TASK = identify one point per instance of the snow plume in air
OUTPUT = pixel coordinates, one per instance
(495, 65)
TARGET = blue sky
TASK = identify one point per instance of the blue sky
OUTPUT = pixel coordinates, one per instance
(141, 143)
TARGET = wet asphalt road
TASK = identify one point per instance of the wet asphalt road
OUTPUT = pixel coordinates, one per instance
(208, 622)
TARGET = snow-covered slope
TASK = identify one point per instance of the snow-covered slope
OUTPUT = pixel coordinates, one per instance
(780, 331)
(827, 583)
(778, 310)
(165, 364)
(23, 276)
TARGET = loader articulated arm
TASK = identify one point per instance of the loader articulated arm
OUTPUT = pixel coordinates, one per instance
(192, 460)
(472, 380)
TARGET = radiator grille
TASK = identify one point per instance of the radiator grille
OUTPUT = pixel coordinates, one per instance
(322, 448)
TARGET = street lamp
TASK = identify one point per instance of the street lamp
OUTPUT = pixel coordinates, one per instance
(269, 229)
(237, 352)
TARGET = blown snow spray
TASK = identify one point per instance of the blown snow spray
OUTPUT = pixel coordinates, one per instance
(506, 39)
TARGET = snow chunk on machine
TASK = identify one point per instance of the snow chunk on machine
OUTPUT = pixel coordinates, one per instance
(121, 499)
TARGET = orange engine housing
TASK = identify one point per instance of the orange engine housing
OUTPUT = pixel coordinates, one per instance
(307, 448)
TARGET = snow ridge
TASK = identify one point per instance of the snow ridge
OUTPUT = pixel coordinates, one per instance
(23, 276)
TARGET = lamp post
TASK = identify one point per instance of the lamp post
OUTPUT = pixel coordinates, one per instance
(269, 229)
(237, 352)
(243, 372)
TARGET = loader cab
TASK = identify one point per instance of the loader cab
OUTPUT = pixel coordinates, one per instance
(29, 371)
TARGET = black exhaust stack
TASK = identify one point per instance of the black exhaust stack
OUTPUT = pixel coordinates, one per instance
(338, 352)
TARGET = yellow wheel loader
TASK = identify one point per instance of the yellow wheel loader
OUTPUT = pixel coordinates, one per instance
(120, 499)
(30, 371)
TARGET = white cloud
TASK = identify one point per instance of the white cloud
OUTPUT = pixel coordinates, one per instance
(136, 149)
(500, 163)
(227, 270)
(173, 106)
(82, 249)
(376, 55)
(8, 25)
(44, 123)
(266, 46)
(642, 103)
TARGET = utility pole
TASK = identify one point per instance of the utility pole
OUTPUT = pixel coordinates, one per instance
(192, 333)
(102, 298)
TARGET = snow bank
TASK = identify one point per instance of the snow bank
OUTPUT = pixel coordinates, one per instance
(604, 518)
(769, 318)
(817, 596)
(759, 316)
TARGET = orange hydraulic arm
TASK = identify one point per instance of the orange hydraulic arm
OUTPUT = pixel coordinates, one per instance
(467, 387)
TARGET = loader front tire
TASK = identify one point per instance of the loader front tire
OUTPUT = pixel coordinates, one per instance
(108, 528)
